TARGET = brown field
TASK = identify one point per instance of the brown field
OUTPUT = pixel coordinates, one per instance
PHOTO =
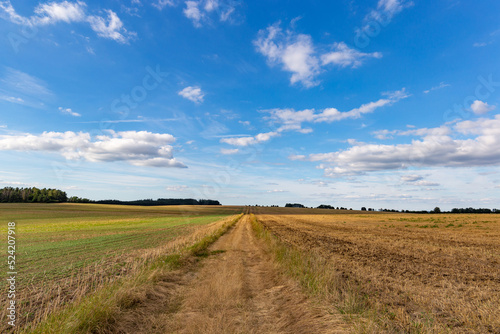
(410, 273)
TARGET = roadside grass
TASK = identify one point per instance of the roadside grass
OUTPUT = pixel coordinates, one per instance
(315, 274)
(97, 312)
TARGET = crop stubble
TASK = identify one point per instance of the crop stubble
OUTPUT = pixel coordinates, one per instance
(419, 272)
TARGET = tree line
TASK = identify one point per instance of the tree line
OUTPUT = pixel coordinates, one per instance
(49, 195)
(32, 195)
(162, 201)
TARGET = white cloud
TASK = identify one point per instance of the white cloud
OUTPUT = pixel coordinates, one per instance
(411, 178)
(193, 12)
(434, 149)
(347, 57)
(246, 141)
(111, 28)
(136, 148)
(179, 188)
(297, 54)
(385, 11)
(160, 4)
(425, 184)
(12, 99)
(386, 134)
(229, 151)
(201, 11)
(245, 123)
(23, 83)
(440, 86)
(51, 13)
(68, 111)
(292, 120)
(192, 93)
(21, 88)
(69, 12)
(417, 180)
(480, 107)
(211, 5)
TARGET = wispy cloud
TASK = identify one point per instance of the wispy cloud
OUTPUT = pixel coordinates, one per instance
(230, 151)
(192, 93)
(385, 11)
(201, 11)
(160, 4)
(68, 111)
(440, 86)
(346, 57)
(178, 188)
(50, 13)
(297, 54)
(291, 120)
(21, 88)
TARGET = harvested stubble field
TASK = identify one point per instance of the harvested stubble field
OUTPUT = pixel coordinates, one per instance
(66, 251)
(410, 273)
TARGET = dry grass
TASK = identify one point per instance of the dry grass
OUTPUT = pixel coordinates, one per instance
(398, 272)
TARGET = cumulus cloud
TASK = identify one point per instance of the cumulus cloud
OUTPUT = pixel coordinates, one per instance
(481, 108)
(68, 111)
(252, 140)
(139, 148)
(50, 13)
(192, 93)
(441, 148)
(296, 54)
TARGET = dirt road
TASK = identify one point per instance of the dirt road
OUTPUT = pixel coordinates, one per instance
(239, 290)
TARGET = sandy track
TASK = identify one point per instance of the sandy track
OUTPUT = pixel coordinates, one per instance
(241, 291)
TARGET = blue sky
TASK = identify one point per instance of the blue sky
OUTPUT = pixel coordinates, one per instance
(383, 103)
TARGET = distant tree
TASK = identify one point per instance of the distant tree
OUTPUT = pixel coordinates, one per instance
(437, 210)
(325, 206)
(294, 205)
(363, 209)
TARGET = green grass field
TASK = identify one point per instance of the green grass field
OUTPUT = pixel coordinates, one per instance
(53, 240)
(61, 248)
